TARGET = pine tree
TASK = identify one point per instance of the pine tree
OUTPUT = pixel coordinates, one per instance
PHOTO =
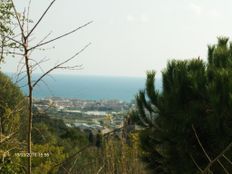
(195, 96)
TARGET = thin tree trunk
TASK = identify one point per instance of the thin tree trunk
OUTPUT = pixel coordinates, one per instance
(30, 88)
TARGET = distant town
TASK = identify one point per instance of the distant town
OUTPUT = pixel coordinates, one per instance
(87, 115)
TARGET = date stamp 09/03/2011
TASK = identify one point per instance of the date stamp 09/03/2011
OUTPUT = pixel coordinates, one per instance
(33, 154)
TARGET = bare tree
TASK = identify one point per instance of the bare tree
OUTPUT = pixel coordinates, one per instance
(27, 64)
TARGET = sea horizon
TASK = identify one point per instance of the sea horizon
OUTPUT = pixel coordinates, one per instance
(86, 87)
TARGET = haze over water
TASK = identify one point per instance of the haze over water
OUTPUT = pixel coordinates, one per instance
(89, 87)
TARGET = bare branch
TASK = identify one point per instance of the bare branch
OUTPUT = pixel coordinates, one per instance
(60, 65)
(225, 170)
(19, 70)
(37, 23)
(18, 20)
(23, 19)
(59, 37)
(211, 162)
(38, 63)
(227, 159)
(10, 38)
(65, 170)
(13, 53)
(45, 37)
(196, 164)
(75, 67)
(38, 130)
(217, 157)
(22, 86)
(199, 142)
(28, 12)
(99, 171)
(70, 157)
(6, 137)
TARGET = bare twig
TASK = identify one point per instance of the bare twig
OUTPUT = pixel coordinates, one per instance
(60, 65)
(70, 157)
(28, 12)
(2, 140)
(38, 64)
(12, 39)
(45, 37)
(42, 16)
(212, 161)
(18, 20)
(99, 171)
(13, 53)
(199, 142)
(59, 37)
(225, 170)
(227, 159)
(196, 164)
(218, 157)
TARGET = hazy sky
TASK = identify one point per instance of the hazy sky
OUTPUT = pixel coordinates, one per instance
(129, 37)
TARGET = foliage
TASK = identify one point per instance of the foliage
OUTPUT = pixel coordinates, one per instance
(114, 156)
(11, 104)
(6, 27)
(5, 16)
(47, 156)
(52, 136)
(196, 95)
(12, 112)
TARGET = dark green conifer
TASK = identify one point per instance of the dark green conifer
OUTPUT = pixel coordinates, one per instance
(196, 95)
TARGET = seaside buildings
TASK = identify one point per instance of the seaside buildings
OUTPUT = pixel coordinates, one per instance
(90, 115)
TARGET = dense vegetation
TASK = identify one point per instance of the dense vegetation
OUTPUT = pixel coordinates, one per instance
(61, 148)
(12, 119)
(65, 149)
(188, 125)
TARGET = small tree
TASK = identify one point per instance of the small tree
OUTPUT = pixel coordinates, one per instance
(22, 40)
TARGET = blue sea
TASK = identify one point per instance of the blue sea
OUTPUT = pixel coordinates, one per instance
(88, 87)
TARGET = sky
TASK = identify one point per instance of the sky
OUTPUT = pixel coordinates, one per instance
(128, 37)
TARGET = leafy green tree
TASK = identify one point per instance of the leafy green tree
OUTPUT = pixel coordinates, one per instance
(11, 105)
(12, 113)
(6, 26)
(193, 109)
